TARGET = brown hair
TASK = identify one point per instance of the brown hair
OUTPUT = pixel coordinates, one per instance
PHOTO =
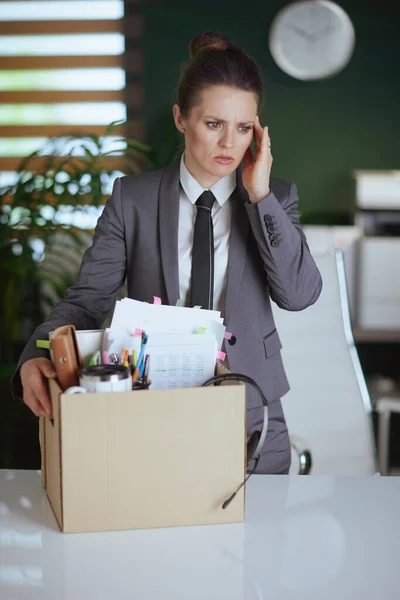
(215, 61)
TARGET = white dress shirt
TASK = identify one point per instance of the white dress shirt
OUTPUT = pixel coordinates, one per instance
(190, 190)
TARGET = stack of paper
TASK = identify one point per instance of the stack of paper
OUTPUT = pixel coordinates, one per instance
(183, 342)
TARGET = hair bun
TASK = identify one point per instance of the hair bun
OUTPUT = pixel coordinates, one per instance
(207, 41)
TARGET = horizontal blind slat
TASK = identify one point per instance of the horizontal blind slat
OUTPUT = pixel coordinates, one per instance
(131, 27)
(39, 97)
(133, 129)
(131, 61)
(105, 1)
(132, 96)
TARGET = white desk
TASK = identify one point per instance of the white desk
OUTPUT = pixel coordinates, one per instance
(304, 538)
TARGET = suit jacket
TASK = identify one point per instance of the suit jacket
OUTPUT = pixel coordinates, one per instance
(137, 237)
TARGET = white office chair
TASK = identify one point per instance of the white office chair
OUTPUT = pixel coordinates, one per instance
(328, 407)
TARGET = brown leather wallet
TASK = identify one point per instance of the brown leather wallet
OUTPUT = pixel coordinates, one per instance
(67, 358)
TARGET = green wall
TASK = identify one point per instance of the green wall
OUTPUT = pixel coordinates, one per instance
(320, 131)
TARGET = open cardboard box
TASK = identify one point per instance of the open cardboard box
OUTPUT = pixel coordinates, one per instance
(142, 459)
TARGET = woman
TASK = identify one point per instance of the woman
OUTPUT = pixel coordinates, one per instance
(216, 218)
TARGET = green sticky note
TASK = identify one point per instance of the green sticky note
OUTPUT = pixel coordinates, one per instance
(196, 306)
(95, 360)
(202, 330)
(43, 344)
(179, 302)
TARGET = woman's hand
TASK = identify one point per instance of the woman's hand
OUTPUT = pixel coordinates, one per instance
(34, 374)
(257, 171)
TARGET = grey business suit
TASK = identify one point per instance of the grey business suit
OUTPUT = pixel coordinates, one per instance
(137, 237)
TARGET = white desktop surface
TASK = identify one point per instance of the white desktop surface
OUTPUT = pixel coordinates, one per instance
(303, 538)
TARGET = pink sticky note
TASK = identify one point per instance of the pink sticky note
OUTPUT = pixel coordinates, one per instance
(227, 335)
(157, 300)
(138, 332)
(221, 355)
(105, 357)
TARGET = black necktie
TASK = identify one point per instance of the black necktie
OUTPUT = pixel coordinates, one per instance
(202, 278)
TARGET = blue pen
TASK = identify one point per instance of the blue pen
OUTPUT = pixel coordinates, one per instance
(143, 366)
(141, 355)
(142, 362)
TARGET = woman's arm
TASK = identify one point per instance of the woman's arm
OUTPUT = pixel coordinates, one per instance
(293, 277)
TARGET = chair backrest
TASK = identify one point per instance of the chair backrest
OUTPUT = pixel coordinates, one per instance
(328, 404)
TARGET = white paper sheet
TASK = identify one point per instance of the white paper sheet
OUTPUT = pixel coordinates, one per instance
(130, 315)
(178, 361)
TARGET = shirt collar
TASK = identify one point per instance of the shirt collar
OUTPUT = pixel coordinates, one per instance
(222, 189)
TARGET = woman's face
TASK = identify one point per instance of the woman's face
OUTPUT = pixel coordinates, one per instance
(218, 130)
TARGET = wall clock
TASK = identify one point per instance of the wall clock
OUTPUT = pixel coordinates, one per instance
(312, 39)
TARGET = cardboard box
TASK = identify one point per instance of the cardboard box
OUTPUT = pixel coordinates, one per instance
(143, 459)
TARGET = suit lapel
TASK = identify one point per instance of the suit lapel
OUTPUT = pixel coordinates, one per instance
(240, 228)
(168, 229)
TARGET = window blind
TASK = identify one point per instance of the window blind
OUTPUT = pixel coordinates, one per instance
(64, 67)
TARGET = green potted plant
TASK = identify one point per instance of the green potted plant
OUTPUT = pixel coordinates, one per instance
(41, 241)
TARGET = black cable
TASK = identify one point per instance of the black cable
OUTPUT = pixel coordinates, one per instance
(229, 500)
(216, 380)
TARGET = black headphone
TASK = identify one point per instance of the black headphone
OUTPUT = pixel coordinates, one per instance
(257, 438)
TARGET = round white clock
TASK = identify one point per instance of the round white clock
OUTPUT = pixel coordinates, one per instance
(312, 39)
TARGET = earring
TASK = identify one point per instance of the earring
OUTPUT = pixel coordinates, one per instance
(183, 130)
